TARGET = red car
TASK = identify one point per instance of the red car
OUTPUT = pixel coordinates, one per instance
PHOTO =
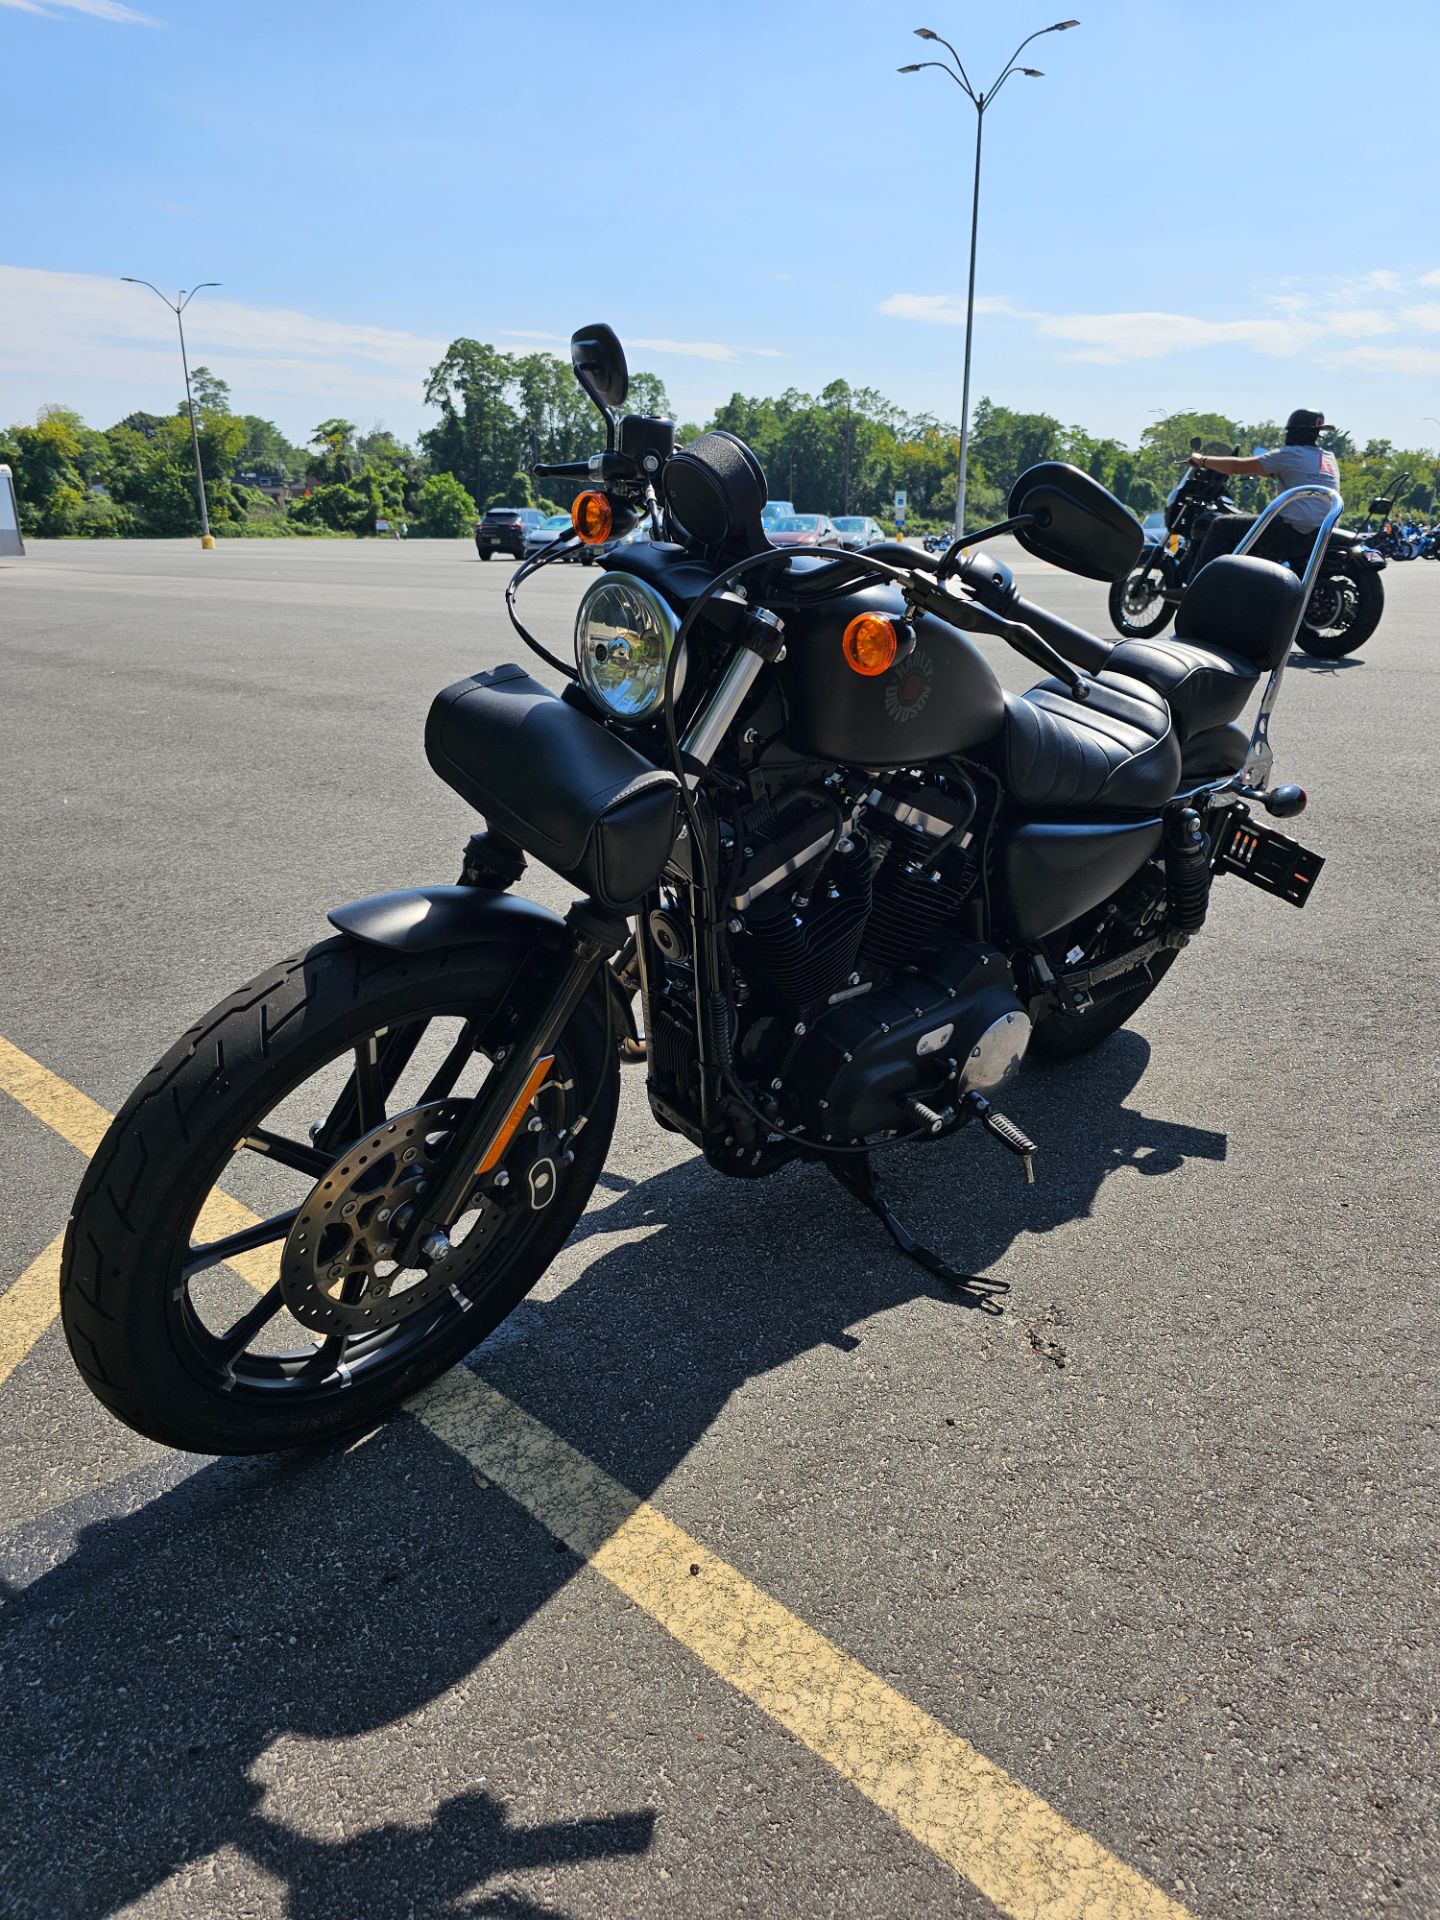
(803, 530)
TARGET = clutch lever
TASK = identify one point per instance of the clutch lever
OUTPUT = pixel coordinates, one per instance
(926, 594)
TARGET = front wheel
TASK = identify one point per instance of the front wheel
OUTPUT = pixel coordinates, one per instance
(226, 1285)
(1344, 611)
(1138, 607)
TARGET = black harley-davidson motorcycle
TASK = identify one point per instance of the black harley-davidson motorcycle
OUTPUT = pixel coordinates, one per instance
(1202, 521)
(849, 881)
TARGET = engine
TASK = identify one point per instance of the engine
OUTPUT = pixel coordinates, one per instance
(868, 1000)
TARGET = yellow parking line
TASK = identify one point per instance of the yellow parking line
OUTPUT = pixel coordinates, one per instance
(64, 1109)
(28, 1305)
(1025, 1857)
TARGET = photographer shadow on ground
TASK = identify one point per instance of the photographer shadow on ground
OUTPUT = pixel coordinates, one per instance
(328, 1597)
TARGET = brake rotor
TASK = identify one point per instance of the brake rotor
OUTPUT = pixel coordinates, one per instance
(337, 1271)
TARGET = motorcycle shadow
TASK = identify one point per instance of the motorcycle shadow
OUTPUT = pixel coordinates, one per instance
(263, 1604)
(1309, 664)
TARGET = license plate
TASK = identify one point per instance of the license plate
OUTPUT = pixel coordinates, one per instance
(1268, 860)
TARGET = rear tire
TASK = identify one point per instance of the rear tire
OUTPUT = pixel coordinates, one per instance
(1128, 616)
(155, 1354)
(1335, 641)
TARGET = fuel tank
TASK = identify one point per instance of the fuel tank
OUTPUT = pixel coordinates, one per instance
(938, 699)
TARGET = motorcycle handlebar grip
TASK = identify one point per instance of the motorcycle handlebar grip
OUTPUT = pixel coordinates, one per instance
(1082, 649)
(562, 470)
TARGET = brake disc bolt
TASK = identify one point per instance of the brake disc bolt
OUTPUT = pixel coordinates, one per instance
(410, 1153)
(382, 1250)
(348, 1208)
(436, 1246)
(383, 1215)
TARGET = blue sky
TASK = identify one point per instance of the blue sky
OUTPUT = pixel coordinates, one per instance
(751, 194)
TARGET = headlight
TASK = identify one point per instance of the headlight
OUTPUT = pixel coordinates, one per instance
(624, 636)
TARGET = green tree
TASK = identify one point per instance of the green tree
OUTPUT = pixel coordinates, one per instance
(211, 394)
(266, 453)
(443, 509)
(336, 457)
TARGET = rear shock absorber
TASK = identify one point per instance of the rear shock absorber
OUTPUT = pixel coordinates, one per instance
(1187, 870)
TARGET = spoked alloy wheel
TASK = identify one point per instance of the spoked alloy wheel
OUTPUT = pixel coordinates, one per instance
(230, 1281)
(1138, 607)
(1343, 613)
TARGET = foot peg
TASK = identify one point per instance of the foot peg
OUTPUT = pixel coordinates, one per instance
(1000, 1127)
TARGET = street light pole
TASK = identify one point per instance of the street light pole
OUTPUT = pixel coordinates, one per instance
(980, 101)
(177, 307)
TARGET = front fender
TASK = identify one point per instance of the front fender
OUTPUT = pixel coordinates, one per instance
(423, 918)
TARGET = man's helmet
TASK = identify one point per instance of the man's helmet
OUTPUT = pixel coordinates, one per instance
(1303, 427)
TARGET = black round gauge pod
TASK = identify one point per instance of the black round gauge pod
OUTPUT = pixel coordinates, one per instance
(714, 493)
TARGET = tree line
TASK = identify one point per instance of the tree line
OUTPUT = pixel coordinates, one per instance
(846, 450)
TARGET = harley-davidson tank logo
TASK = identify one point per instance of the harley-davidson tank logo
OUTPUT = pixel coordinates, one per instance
(908, 691)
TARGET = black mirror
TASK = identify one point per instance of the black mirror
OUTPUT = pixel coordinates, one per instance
(1075, 523)
(599, 362)
(1195, 443)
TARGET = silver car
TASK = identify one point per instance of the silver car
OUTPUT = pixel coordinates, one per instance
(858, 530)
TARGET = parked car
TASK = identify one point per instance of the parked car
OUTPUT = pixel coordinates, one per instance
(505, 529)
(858, 530)
(776, 510)
(547, 533)
(803, 530)
(1153, 527)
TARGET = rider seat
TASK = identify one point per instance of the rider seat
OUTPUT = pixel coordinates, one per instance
(1235, 622)
(1117, 750)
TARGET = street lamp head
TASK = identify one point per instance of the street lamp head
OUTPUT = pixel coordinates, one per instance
(926, 33)
(1062, 26)
(914, 67)
(1032, 73)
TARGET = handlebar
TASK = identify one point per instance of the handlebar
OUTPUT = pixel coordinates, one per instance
(563, 470)
(1084, 649)
(993, 585)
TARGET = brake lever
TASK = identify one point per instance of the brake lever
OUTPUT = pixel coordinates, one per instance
(926, 595)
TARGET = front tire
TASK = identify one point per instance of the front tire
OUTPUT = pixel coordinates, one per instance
(1344, 611)
(1138, 609)
(165, 1331)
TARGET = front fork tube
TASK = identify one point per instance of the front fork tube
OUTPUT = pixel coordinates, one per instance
(594, 936)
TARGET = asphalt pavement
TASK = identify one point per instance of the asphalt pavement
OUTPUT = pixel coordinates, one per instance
(1157, 1540)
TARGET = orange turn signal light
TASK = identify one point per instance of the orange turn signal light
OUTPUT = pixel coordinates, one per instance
(870, 643)
(592, 518)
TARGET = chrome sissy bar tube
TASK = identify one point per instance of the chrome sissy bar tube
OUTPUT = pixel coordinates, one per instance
(1254, 776)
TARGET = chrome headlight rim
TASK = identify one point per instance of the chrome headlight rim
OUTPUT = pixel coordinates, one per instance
(597, 674)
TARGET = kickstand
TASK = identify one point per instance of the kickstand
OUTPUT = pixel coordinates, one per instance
(856, 1174)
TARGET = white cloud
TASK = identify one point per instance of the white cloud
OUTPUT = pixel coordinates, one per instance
(1357, 323)
(1297, 321)
(108, 347)
(1112, 338)
(690, 349)
(111, 10)
(1408, 360)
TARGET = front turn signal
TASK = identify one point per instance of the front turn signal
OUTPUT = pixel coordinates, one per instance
(592, 518)
(870, 643)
